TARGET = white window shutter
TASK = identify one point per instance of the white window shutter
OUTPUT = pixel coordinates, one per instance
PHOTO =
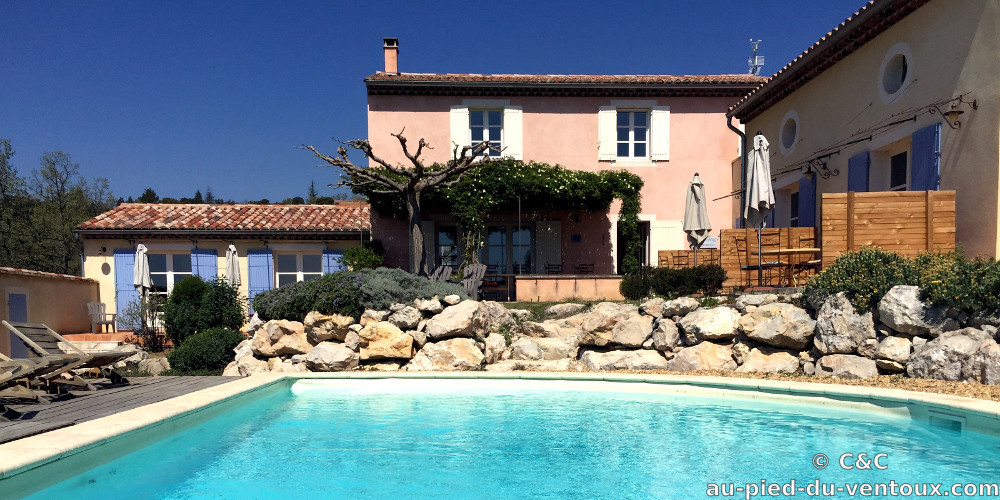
(459, 127)
(512, 132)
(607, 143)
(659, 133)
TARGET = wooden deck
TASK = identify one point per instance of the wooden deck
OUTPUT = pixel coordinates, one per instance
(31, 419)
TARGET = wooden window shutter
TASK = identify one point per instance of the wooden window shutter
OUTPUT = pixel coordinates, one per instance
(513, 132)
(126, 294)
(260, 267)
(857, 172)
(607, 144)
(460, 126)
(205, 264)
(659, 133)
(925, 170)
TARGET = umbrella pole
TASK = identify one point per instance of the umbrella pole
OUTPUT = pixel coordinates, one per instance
(696, 256)
(760, 269)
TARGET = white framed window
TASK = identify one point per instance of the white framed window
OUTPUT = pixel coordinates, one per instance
(168, 269)
(486, 125)
(493, 120)
(294, 267)
(633, 131)
(632, 140)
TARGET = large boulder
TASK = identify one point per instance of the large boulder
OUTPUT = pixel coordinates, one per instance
(496, 348)
(406, 317)
(279, 365)
(429, 306)
(451, 300)
(716, 323)
(597, 326)
(281, 337)
(902, 310)
(384, 340)
(666, 336)
(153, 366)
(779, 325)
(623, 360)
(846, 366)
(560, 311)
(950, 356)
(323, 328)
(680, 306)
(839, 329)
(652, 307)
(491, 316)
(765, 360)
(527, 348)
(704, 356)
(632, 331)
(753, 300)
(331, 357)
(451, 354)
(454, 321)
(985, 367)
(896, 349)
(372, 315)
(245, 366)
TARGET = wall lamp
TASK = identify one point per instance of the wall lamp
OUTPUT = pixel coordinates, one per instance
(954, 112)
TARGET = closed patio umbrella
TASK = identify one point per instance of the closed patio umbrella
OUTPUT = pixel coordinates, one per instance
(759, 196)
(140, 273)
(232, 266)
(696, 223)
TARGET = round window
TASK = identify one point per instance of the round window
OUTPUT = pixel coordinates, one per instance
(896, 73)
(789, 133)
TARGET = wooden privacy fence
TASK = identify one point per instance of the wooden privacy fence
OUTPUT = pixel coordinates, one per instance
(905, 222)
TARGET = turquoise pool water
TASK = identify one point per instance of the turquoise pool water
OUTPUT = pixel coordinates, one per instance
(404, 439)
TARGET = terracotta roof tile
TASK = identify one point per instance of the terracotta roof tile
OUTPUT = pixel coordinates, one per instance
(344, 216)
(578, 79)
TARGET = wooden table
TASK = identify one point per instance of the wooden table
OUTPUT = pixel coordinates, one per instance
(790, 269)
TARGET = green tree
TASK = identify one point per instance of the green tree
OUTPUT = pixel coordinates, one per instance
(312, 193)
(14, 212)
(197, 197)
(148, 196)
(209, 196)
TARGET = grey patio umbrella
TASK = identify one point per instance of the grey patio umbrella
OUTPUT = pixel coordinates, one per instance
(140, 272)
(759, 196)
(232, 266)
(696, 223)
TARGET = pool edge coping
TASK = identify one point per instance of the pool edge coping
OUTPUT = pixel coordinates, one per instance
(23, 455)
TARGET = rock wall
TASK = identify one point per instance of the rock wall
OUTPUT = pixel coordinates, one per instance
(756, 333)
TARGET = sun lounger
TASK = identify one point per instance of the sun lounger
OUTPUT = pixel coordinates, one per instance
(15, 371)
(45, 342)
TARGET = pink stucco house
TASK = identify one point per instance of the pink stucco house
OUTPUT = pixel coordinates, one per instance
(663, 128)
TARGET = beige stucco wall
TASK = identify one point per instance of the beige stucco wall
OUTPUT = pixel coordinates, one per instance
(554, 289)
(60, 303)
(954, 48)
(564, 131)
(100, 265)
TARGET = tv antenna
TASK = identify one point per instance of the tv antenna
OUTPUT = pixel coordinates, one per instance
(756, 62)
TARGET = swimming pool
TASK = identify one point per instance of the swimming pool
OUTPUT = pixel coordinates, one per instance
(487, 438)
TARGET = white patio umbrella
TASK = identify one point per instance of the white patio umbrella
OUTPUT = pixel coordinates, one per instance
(232, 266)
(696, 223)
(759, 196)
(140, 272)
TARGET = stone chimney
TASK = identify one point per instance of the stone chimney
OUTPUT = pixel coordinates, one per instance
(391, 48)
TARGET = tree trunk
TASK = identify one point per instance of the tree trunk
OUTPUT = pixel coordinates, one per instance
(418, 265)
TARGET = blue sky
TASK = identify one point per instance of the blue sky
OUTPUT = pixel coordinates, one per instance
(181, 95)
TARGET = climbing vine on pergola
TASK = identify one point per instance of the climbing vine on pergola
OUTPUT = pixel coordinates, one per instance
(496, 186)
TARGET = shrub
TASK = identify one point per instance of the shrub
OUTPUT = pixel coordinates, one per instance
(865, 276)
(210, 349)
(221, 306)
(335, 293)
(349, 293)
(949, 279)
(181, 314)
(636, 286)
(674, 282)
(359, 258)
(383, 287)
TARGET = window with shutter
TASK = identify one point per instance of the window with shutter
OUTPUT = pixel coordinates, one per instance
(925, 174)
(857, 172)
(633, 131)
(126, 294)
(260, 270)
(807, 201)
(491, 120)
(205, 264)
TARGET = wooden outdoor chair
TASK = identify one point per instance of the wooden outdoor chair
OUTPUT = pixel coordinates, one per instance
(15, 372)
(100, 317)
(553, 268)
(45, 343)
(584, 268)
(772, 265)
(805, 266)
(473, 281)
(747, 269)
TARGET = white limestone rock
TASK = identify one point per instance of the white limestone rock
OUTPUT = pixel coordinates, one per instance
(716, 323)
(704, 356)
(779, 325)
(623, 360)
(331, 357)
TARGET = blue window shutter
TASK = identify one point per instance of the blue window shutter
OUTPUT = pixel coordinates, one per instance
(205, 264)
(857, 172)
(331, 261)
(807, 201)
(925, 171)
(126, 293)
(260, 267)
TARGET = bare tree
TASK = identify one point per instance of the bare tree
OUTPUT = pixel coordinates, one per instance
(409, 181)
